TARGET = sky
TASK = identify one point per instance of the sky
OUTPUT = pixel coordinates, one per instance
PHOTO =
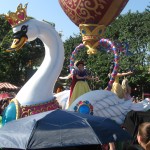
(51, 11)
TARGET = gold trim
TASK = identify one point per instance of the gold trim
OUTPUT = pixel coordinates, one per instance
(18, 17)
(91, 34)
(111, 12)
(22, 22)
(40, 103)
(17, 107)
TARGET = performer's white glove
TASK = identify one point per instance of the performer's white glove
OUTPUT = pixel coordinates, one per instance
(63, 78)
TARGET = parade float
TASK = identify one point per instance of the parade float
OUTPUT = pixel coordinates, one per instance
(37, 95)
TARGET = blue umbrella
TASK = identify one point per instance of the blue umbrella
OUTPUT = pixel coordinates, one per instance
(59, 129)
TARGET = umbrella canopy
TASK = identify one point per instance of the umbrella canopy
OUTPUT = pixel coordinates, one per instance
(59, 129)
(7, 86)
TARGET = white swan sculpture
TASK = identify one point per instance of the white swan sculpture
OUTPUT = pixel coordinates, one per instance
(37, 94)
(40, 86)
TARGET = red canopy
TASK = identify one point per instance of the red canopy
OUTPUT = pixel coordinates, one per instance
(7, 86)
(5, 96)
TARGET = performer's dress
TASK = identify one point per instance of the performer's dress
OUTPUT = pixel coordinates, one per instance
(73, 83)
(117, 89)
(81, 85)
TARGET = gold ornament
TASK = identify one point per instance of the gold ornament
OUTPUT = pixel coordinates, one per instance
(18, 17)
(91, 34)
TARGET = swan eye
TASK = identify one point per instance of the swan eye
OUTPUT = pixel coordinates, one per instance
(21, 33)
(24, 28)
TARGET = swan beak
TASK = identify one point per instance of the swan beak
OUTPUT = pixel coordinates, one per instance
(20, 39)
(17, 44)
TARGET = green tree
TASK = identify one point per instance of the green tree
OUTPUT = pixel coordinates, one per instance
(135, 29)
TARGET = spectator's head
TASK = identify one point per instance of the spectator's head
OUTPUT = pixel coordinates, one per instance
(143, 135)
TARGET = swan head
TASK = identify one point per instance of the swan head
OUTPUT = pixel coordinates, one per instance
(23, 33)
(22, 27)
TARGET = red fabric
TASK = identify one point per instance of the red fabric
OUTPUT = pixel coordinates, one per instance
(74, 80)
(105, 147)
(5, 96)
(25, 111)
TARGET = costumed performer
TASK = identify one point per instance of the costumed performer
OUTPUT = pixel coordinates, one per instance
(79, 73)
(116, 87)
(80, 85)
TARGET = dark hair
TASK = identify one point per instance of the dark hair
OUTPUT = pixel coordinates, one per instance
(144, 132)
(79, 62)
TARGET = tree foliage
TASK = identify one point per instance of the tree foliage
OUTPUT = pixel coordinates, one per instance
(135, 29)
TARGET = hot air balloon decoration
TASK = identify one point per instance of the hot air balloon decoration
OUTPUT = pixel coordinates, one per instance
(92, 17)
